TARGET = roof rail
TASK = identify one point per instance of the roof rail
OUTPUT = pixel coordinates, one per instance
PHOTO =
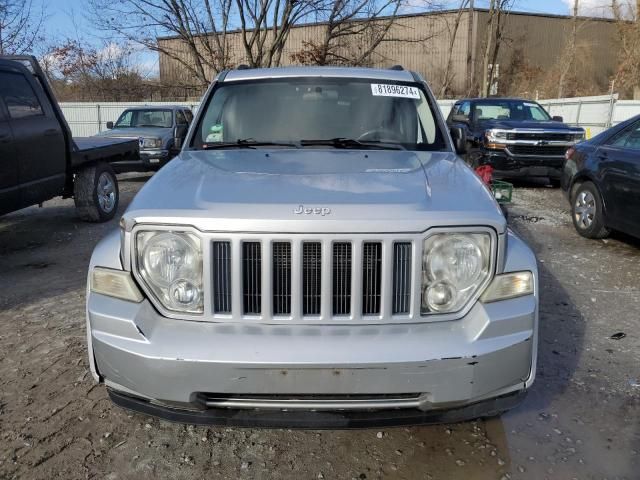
(397, 67)
(243, 66)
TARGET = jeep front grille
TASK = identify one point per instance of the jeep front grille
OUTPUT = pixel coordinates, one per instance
(341, 278)
(252, 277)
(305, 278)
(401, 277)
(281, 278)
(311, 277)
(371, 276)
(222, 277)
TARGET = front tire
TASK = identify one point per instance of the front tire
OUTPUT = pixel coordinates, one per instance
(587, 211)
(96, 193)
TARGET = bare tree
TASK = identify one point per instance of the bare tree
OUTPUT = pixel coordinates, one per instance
(351, 31)
(568, 58)
(627, 16)
(498, 10)
(453, 33)
(20, 26)
(265, 26)
(201, 28)
(106, 73)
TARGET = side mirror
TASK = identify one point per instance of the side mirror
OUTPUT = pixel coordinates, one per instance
(109, 125)
(460, 119)
(557, 118)
(459, 137)
(179, 132)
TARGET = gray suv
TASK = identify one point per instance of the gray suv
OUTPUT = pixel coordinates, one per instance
(317, 256)
(160, 132)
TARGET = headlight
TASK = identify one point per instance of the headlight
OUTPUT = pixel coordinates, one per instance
(454, 267)
(493, 138)
(151, 143)
(170, 264)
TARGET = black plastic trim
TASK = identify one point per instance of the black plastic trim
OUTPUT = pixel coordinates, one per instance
(320, 420)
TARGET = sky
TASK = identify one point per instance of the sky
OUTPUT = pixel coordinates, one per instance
(59, 21)
(65, 15)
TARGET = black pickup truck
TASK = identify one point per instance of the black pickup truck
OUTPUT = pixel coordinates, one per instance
(516, 137)
(39, 158)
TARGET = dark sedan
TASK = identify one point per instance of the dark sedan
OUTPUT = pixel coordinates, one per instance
(601, 178)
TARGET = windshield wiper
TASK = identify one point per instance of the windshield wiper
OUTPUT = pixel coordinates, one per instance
(246, 143)
(340, 142)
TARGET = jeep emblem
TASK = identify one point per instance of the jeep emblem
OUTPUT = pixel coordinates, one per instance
(302, 210)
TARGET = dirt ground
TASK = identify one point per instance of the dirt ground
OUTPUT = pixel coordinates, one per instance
(581, 420)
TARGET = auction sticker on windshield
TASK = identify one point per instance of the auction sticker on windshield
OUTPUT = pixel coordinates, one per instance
(386, 90)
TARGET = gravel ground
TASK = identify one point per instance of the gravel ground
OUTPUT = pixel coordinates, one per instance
(581, 420)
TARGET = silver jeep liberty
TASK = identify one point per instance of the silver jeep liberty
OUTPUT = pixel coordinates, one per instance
(317, 256)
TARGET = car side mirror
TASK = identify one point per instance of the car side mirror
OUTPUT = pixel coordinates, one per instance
(460, 119)
(179, 133)
(557, 118)
(459, 137)
(109, 125)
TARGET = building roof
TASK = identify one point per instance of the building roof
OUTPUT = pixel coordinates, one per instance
(327, 72)
(424, 14)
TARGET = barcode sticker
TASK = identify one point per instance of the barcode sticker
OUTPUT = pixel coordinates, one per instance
(387, 90)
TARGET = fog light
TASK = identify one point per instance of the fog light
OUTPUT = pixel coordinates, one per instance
(439, 296)
(509, 285)
(184, 293)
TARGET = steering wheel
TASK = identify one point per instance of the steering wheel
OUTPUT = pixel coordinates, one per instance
(380, 134)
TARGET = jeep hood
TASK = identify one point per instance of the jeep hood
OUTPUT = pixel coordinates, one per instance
(315, 190)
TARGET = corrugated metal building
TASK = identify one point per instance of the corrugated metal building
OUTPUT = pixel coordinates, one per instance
(421, 42)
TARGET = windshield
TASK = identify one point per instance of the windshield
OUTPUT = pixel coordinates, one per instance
(320, 112)
(145, 118)
(509, 110)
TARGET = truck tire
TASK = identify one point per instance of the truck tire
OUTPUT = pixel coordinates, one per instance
(587, 211)
(95, 192)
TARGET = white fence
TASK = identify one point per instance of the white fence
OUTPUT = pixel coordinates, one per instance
(595, 114)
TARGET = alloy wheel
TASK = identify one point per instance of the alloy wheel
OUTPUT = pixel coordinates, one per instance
(106, 192)
(584, 209)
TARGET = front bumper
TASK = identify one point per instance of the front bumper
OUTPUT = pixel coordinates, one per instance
(150, 160)
(511, 166)
(216, 372)
(319, 419)
(432, 367)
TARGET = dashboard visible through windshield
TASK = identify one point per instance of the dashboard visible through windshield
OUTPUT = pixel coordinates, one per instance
(145, 118)
(509, 110)
(307, 112)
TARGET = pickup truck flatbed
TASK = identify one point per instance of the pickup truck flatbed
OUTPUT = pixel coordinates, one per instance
(39, 158)
(88, 149)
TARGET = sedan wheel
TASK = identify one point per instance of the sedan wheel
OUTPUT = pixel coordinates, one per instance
(588, 212)
(584, 209)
